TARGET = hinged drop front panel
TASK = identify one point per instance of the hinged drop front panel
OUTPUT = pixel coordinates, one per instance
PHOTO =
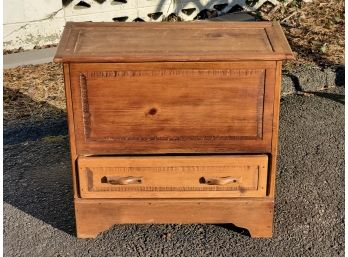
(172, 107)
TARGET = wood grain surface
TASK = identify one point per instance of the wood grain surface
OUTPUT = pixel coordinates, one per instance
(165, 41)
(275, 131)
(173, 177)
(173, 122)
(173, 107)
(71, 127)
(96, 216)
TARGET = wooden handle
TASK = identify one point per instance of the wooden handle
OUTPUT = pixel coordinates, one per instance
(124, 180)
(219, 180)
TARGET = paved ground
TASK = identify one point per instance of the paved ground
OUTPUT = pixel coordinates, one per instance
(29, 57)
(309, 217)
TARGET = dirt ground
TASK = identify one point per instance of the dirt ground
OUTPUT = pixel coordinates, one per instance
(43, 84)
(315, 30)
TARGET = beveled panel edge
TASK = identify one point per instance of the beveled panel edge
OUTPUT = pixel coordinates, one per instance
(86, 164)
(273, 31)
(84, 75)
(205, 148)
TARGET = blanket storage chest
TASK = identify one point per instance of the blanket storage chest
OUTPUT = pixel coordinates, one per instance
(173, 122)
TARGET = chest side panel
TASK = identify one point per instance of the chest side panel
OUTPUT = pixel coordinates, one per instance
(172, 107)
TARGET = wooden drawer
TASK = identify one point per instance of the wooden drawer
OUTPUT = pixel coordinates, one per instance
(173, 177)
(173, 107)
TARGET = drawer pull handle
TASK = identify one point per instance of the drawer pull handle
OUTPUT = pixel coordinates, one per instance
(219, 180)
(124, 180)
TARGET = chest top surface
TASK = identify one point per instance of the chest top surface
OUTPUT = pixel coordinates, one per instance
(177, 42)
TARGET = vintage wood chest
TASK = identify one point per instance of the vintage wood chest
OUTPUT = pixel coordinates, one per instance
(173, 122)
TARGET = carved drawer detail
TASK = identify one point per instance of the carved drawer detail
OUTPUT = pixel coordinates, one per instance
(172, 177)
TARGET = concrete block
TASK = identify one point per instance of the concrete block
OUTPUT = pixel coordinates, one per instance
(143, 13)
(152, 3)
(29, 57)
(210, 4)
(330, 77)
(241, 16)
(259, 3)
(95, 8)
(28, 35)
(189, 10)
(21, 11)
(287, 86)
(311, 79)
(104, 17)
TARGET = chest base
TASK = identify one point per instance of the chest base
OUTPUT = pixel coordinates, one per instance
(95, 216)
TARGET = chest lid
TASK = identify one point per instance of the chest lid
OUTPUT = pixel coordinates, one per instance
(177, 42)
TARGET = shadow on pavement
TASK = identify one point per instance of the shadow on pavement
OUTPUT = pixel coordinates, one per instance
(339, 82)
(334, 97)
(340, 76)
(37, 171)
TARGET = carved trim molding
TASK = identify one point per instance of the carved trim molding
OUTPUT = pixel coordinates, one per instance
(85, 106)
(170, 188)
(169, 168)
(182, 72)
(145, 188)
(260, 106)
(169, 72)
(177, 138)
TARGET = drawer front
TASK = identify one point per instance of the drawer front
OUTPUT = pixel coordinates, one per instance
(173, 107)
(173, 177)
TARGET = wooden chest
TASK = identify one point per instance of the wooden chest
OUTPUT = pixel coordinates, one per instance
(173, 122)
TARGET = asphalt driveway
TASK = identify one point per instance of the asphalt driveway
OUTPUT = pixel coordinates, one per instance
(309, 215)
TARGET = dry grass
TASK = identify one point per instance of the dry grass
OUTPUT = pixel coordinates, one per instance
(315, 30)
(29, 90)
(13, 51)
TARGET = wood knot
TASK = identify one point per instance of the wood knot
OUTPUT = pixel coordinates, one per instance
(152, 111)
